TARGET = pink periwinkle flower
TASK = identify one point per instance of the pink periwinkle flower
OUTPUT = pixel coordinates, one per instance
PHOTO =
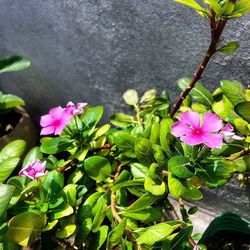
(228, 133)
(193, 131)
(34, 170)
(55, 121)
(75, 109)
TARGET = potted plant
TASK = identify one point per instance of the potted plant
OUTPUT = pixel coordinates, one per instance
(15, 122)
(101, 187)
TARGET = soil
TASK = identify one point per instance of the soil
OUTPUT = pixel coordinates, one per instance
(8, 122)
(228, 240)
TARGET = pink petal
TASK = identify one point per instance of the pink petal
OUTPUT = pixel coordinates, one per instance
(47, 130)
(56, 112)
(46, 120)
(211, 122)
(59, 129)
(191, 118)
(212, 140)
(228, 128)
(192, 140)
(180, 129)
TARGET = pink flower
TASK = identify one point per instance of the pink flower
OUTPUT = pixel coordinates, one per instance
(75, 109)
(192, 131)
(229, 135)
(34, 170)
(55, 121)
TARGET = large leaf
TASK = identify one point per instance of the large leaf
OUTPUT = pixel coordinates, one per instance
(7, 166)
(13, 149)
(92, 115)
(122, 120)
(10, 101)
(153, 188)
(116, 234)
(178, 165)
(155, 234)
(124, 141)
(234, 91)
(243, 110)
(13, 63)
(199, 93)
(33, 155)
(56, 145)
(175, 186)
(98, 168)
(26, 227)
(99, 238)
(6, 193)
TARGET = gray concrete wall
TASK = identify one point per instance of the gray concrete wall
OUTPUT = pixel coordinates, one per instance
(93, 50)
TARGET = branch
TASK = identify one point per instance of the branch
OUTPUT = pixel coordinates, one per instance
(105, 146)
(238, 155)
(217, 28)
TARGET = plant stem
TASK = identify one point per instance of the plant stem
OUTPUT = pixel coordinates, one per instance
(238, 155)
(217, 28)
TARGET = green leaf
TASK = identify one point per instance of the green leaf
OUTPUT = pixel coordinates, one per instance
(178, 165)
(181, 238)
(53, 183)
(13, 149)
(10, 101)
(99, 217)
(122, 120)
(234, 91)
(115, 236)
(63, 210)
(143, 202)
(192, 194)
(131, 97)
(65, 232)
(155, 234)
(199, 93)
(6, 193)
(124, 141)
(33, 155)
(138, 170)
(166, 138)
(153, 188)
(229, 47)
(191, 3)
(243, 110)
(6, 167)
(70, 191)
(92, 115)
(148, 96)
(242, 7)
(13, 63)
(215, 6)
(175, 186)
(26, 227)
(98, 168)
(56, 145)
(99, 238)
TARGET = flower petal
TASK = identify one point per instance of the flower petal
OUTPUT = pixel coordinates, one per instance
(47, 130)
(192, 140)
(191, 118)
(212, 140)
(46, 120)
(228, 128)
(56, 112)
(211, 122)
(180, 129)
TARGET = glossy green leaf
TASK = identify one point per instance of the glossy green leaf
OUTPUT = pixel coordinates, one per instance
(155, 234)
(7, 166)
(153, 188)
(122, 120)
(56, 145)
(26, 227)
(6, 193)
(70, 192)
(138, 170)
(243, 110)
(99, 238)
(13, 63)
(234, 91)
(61, 211)
(124, 141)
(33, 155)
(98, 168)
(191, 3)
(92, 115)
(131, 97)
(166, 138)
(115, 236)
(178, 165)
(242, 7)
(229, 47)
(13, 149)
(10, 101)
(192, 194)
(66, 231)
(199, 93)
(181, 238)
(175, 186)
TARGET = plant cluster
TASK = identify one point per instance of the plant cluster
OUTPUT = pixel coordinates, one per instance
(90, 186)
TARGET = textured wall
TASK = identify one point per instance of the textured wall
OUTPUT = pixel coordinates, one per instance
(93, 50)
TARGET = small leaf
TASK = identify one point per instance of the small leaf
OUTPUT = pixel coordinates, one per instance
(65, 232)
(13, 149)
(92, 115)
(56, 145)
(243, 110)
(153, 188)
(13, 63)
(124, 141)
(116, 234)
(98, 168)
(229, 47)
(175, 186)
(122, 120)
(33, 155)
(7, 166)
(99, 238)
(191, 3)
(155, 234)
(148, 96)
(26, 227)
(10, 101)
(131, 97)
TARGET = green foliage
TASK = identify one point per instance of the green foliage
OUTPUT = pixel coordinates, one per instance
(229, 47)
(13, 63)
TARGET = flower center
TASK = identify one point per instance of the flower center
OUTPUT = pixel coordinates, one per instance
(56, 123)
